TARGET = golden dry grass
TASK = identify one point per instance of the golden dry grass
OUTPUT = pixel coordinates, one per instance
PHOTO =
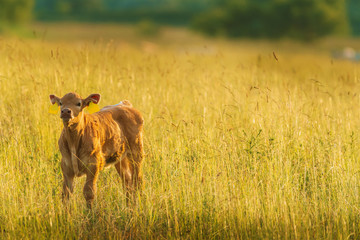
(238, 145)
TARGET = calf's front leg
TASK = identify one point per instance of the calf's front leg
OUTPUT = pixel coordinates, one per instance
(68, 182)
(89, 190)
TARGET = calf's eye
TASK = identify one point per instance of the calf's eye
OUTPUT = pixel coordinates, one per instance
(79, 104)
(60, 103)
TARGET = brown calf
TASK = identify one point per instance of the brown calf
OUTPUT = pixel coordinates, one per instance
(90, 142)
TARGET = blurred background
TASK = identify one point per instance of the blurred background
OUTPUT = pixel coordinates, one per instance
(273, 19)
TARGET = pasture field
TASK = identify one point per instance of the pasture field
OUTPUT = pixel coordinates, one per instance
(239, 145)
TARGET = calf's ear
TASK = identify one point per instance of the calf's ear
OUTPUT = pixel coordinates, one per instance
(54, 99)
(95, 98)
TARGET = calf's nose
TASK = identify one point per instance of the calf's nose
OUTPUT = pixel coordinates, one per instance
(65, 111)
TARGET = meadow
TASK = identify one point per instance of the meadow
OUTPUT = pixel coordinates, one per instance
(243, 139)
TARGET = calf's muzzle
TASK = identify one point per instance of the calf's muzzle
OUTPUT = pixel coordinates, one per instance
(66, 114)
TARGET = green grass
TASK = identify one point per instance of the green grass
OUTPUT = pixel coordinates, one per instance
(238, 145)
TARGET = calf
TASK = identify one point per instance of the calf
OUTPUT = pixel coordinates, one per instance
(90, 142)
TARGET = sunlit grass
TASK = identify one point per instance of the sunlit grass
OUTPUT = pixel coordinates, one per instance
(238, 144)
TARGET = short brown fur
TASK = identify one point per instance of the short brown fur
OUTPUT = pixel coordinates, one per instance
(90, 142)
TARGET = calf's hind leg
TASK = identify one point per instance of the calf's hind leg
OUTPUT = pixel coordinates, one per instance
(135, 161)
(123, 169)
(136, 156)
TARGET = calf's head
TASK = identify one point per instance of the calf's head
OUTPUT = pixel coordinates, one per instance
(72, 105)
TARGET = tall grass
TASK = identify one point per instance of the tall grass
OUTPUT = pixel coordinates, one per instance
(238, 145)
